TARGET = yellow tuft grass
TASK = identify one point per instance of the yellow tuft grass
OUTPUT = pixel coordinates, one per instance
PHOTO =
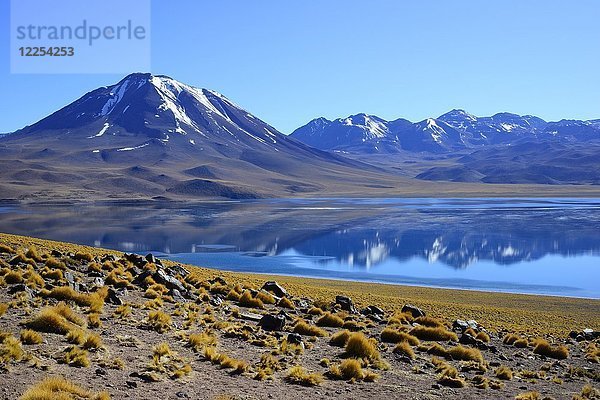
(315, 311)
(340, 338)
(544, 348)
(300, 376)
(392, 335)
(331, 320)
(59, 319)
(10, 349)
(504, 373)
(286, 303)
(199, 341)
(433, 334)
(58, 388)
(14, 277)
(404, 349)
(29, 336)
(94, 320)
(3, 309)
(484, 337)
(429, 321)
(265, 297)
(76, 357)
(246, 300)
(95, 300)
(528, 396)
(448, 375)
(359, 346)
(92, 342)
(466, 354)
(304, 328)
(159, 321)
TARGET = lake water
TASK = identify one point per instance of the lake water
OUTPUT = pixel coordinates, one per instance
(541, 246)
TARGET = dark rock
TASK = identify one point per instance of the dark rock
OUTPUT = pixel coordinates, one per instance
(465, 338)
(180, 270)
(251, 316)
(108, 257)
(373, 310)
(460, 325)
(346, 304)
(139, 279)
(218, 280)
(21, 287)
(113, 298)
(131, 384)
(136, 259)
(160, 276)
(270, 322)
(176, 295)
(275, 288)
(285, 315)
(375, 317)
(100, 371)
(150, 258)
(216, 300)
(70, 278)
(300, 303)
(294, 338)
(413, 310)
(182, 395)
(573, 334)
(590, 334)
(56, 254)
(98, 282)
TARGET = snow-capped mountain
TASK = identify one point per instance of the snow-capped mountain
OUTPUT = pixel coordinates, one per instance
(155, 135)
(454, 130)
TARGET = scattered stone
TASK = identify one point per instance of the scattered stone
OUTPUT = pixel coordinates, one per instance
(131, 384)
(98, 282)
(100, 371)
(219, 280)
(216, 300)
(346, 304)
(176, 294)
(251, 316)
(56, 254)
(294, 338)
(21, 287)
(270, 322)
(415, 311)
(180, 270)
(373, 310)
(275, 288)
(285, 315)
(150, 258)
(113, 298)
(161, 276)
(182, 395)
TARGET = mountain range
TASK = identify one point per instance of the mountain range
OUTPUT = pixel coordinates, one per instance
(150, 136)
(450, 132)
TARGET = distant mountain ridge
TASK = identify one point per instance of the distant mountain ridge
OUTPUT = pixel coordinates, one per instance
(452, 131)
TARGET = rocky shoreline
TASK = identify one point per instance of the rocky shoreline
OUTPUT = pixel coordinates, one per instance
(129, 326)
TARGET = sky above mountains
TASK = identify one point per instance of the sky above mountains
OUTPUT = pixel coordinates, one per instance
(289, 62)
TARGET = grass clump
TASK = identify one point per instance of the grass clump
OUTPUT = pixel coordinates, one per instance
(340, 338)
(159, 321)
(199, 341)
(466, 354)
(300, 376)
(286, 303)
(447, 374)
(429, 321)
(315, 311)
(92, 342)
(166, 361)
(94, 320)
(434, 349)
(246, 300)
(304, 328)
(10, 349)
(95, 300)
(592, 352)
(504, 373)
(3, 309)
(483, 336)
(433, 334)
(76, 357)
(265, 297)
(359, 346)
(404, 349)
(544, 348)
(59, 319)
(29, 336)
(6, 249)
(123, 311)
(81, 256)
(14, 277)
(392, 335)
(528, 396)
(60, 389)
(331, 320)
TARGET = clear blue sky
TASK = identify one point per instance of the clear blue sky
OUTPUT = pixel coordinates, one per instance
(290, 61)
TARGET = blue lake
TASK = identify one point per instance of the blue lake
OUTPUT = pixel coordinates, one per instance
(540, 246)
